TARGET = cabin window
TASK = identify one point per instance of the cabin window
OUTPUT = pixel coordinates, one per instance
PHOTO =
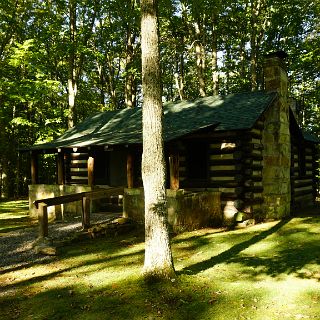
(197, 163)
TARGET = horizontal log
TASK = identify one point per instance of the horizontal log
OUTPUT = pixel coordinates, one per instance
(251, 161)
(224, 173)
(237, 178)
(79, 173)
(59, 200)
(225, 184)
(303, 198)
(78, 156)
(103, 193)
(226, 156)
(256, 178)
(259, 125)
(252, 146)
(255, 154)
(78, 165)
(254, 189)
(252, 183)
(234, 167)
(257, 167)
(252, 195)
(225, 151)
(302, 192)
(223, 145)
(257, 130)
(302, 183)
(223, 162)
(307, 187)
(252, 134)
(78, 181)
(237, 191)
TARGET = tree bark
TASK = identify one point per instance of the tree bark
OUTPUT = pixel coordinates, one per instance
(200, 57)
(214, 60)
(253, 44)
(130, 92)
(158, 262)
(72, 84)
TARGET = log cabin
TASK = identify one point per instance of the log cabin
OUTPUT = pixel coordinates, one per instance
(241, 153)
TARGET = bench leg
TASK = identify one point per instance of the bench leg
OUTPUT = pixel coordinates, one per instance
(43, 220)
(85, 213)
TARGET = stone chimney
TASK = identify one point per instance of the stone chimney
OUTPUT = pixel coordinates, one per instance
(276, 140)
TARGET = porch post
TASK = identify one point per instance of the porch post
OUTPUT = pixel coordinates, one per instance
(130, 160)
(60, 164)
(174, 171)
(91, 171)
(34, 167)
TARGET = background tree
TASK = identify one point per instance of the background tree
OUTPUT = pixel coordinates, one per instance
(218, 44)
(158, 262)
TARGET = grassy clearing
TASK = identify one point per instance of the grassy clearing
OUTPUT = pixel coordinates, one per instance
(268, 271)
(13, 215)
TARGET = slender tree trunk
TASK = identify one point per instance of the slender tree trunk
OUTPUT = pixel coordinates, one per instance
(129, 82)
(200, 59)
(214, 60)
(242, 57)
(72, 85)
(253, 44)
(158, 262)
(179, 74)
(101, 85)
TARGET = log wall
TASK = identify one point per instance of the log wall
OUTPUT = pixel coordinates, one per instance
(303, 174)
(235, 168)
(76, 168)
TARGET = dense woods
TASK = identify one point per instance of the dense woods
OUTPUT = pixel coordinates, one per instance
(61, 61)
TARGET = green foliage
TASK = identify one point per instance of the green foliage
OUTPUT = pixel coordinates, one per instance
(36, 47)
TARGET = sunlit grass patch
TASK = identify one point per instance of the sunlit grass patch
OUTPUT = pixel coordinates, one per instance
(14, 215)
(267, 271)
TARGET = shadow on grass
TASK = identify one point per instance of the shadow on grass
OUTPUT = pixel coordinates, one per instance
(232, 252)
(119, 300)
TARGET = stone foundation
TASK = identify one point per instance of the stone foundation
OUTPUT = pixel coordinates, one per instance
(186, 210)
(42, 191)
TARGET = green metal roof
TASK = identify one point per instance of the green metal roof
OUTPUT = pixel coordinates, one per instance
(232, 112)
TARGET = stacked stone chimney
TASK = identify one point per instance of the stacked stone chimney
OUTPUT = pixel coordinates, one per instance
(276, 140)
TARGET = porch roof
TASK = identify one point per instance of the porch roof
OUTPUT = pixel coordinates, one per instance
(124, 126)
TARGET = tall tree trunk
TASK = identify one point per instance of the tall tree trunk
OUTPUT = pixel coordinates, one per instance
(253, 44)
(200, 59)
(158, 262)
(179, 74)
(72, 84)
(214, 60)
(129, 82)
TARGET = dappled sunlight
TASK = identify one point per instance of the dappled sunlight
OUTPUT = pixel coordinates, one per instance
(270, 269)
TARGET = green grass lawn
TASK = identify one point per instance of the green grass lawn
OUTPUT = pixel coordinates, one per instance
(268, 271)
(13, 215)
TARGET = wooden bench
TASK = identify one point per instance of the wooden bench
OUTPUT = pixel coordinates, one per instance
(86, 197)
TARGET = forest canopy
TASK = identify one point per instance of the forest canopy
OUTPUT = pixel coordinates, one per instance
(61, 61)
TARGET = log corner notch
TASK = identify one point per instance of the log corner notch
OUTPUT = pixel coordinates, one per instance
(174, 171)
(91, 170)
